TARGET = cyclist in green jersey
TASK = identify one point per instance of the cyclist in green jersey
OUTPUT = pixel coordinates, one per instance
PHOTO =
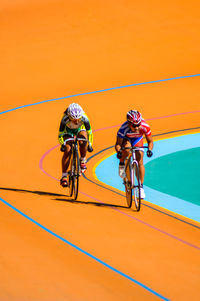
(74, 123)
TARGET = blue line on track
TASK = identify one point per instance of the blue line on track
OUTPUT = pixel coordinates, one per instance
(84, 252)
(98, 91)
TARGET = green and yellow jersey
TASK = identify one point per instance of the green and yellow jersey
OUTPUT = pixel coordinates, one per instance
(67, 127)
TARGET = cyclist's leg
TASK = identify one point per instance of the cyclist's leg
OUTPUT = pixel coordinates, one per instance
(83, 149)
(66, 154)
(138, 142)
(66, 160)
(82, 144)
(125, 153)
(139, 157)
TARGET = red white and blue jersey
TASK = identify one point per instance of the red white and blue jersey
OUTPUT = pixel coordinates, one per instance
(136, 139)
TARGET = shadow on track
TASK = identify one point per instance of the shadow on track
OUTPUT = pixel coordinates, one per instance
(91, 203)
(62, 199)
(32, 191)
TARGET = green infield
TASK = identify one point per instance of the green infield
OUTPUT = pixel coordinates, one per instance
(177, 174)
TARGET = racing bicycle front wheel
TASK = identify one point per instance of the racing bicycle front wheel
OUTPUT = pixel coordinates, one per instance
(136, 187)
(71, 178)
(76, 164)
(128, 183)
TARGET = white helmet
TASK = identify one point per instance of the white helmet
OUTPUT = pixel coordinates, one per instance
(75, 111)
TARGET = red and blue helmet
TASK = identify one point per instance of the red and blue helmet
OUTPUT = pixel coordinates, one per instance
(134, 117)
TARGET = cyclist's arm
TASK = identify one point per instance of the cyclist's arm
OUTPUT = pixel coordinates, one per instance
(61, 129)
(88, 128)
(90, 136)
(118, 144)
(150, 141)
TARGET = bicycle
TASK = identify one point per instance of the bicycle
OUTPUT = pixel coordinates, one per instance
(75, 171)
(132, 180)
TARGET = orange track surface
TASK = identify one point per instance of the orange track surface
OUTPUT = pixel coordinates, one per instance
(51, 49)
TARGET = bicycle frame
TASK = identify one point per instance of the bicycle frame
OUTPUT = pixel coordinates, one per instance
(74, 172)
(132, 180)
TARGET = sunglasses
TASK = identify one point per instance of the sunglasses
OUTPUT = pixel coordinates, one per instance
(72, 119)
(134, 125)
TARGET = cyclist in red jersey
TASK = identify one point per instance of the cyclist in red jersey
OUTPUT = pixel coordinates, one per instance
(131, 133)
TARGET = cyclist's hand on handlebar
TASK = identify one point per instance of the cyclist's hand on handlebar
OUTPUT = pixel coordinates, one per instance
(119, 154)
(90, 148)
(63, 148)
(149, 153)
